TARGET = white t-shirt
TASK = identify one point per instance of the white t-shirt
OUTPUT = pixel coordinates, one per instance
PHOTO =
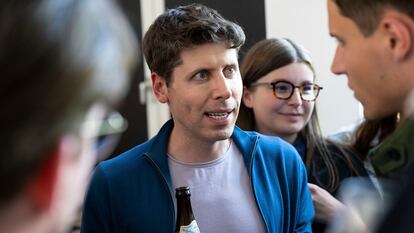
(221, 193)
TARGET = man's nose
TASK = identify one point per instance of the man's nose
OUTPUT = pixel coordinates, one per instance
(222, 87)
(338, 66)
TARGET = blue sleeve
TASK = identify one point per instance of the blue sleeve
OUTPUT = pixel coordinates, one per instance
(304, 211)
(96, 212)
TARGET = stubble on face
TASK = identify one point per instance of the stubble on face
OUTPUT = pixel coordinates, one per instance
(203, 91)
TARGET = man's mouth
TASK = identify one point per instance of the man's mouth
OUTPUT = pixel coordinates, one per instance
(218, 115)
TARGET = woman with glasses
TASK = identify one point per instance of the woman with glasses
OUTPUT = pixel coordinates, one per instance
(279, 99)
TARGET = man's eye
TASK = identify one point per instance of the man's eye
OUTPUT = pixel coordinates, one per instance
(201, 75)
(339, 41)
(229, 71)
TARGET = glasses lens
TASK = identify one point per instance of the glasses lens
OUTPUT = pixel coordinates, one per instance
(309, 92)
(109, 134)
(283, 90)
(114, 123)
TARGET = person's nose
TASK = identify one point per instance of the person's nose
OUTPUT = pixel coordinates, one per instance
(295, 99)
(222, 87)
(338, 65)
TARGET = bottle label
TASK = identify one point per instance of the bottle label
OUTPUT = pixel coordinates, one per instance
(191, 228)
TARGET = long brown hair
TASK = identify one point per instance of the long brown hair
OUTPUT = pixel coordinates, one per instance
(372, 132)
(267, 56)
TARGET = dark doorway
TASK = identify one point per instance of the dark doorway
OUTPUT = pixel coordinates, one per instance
(132, 109)
(250, 15)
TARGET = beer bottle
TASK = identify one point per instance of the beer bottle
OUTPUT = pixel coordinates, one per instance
(185, 217)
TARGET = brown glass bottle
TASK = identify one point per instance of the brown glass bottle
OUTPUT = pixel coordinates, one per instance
(185, 217)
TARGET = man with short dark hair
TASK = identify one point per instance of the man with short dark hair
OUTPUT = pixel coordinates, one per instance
(63, 65)
(376, 51)
(240, 181)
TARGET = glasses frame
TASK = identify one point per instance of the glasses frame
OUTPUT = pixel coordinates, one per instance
(273, 86)
(113, 123)
(109, 131)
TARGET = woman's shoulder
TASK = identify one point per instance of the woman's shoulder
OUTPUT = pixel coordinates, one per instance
(346, 159)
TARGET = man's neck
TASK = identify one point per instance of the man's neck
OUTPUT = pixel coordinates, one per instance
(196, 150)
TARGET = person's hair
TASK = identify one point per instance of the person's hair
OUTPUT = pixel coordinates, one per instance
(185, 27)
(264, 57)
(57, 59)
(367, 13)
(372, 132)
(267, 56)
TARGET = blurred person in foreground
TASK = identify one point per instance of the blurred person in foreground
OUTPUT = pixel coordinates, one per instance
(64, 65)
(376, 51)
(240, 181)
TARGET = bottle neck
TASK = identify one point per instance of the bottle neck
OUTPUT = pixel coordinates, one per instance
(184, 211)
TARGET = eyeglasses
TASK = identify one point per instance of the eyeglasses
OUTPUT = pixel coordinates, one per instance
(113, 123)
(284, 90)
(109, 130)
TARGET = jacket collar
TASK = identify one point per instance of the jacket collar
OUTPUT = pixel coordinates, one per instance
(245, 142)
(392, 157)
(159, 149)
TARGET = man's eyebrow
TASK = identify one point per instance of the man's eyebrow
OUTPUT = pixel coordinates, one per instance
(195, 71)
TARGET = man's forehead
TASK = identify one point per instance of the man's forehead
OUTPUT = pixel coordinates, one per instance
(334, 17)
(206, 46)
(208, 53)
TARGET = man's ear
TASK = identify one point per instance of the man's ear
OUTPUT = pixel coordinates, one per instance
(247, 98)
(399, 37)
(43, 184)
(159, 86)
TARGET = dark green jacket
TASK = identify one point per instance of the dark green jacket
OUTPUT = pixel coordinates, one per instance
(392, 158)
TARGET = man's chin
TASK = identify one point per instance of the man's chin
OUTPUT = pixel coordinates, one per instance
(223, 134)
(370, 115)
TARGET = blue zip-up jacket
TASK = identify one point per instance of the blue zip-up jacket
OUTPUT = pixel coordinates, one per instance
(132, 192)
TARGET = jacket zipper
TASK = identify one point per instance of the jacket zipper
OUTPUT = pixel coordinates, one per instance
(168, 188)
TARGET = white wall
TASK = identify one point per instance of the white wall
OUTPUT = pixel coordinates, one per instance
(157, 113)
(305, 21)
